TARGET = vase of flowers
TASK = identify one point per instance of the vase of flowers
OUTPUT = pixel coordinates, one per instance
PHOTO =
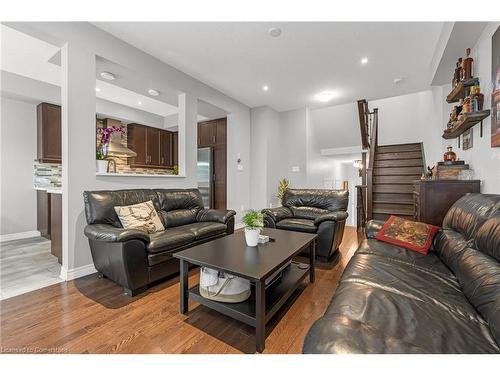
(254, 222)
(101, 153)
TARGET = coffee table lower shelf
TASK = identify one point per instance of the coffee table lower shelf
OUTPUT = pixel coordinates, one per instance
(276, 296)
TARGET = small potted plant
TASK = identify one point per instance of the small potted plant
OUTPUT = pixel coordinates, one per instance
(254, 222)
(101, 152)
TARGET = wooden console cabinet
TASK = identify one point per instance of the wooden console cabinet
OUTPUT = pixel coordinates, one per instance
(434, 198)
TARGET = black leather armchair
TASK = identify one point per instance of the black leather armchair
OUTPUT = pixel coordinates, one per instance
(133, 258)
(313, 211)
(394, 300)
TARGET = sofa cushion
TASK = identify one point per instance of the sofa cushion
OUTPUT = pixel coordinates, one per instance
(100, 205)
(169, 239)
(142, 216)
(310, 213)
(299, 225)
(469, 213)
(178, 217)
(331, 200)
(487, 239)
(205, 229)
(404, 303)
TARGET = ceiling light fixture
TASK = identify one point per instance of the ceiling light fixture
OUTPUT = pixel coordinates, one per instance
(139, 102)
(153, 92)
(325, 96)
(364, 60)
(275, 32)
(265, 87)
(97, 89)
(107, 75)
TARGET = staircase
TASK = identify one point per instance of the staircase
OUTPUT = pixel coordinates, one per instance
(395, 168)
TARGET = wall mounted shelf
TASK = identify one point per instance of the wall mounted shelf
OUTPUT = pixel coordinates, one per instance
(458, 91)
(470, 119)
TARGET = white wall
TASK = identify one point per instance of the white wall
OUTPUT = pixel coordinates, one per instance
(265, 150)
(293, 145)
(18, 152)
(482, 158)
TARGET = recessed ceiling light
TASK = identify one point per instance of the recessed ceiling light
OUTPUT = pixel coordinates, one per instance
(107, 75)
(325, 96)
(139, 102)
(265, 87)
(275, 32)
(97, 89)
(153, 92)
(364, 60)
(398, 80)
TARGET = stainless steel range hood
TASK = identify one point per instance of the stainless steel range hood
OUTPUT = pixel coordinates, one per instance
(117, 149)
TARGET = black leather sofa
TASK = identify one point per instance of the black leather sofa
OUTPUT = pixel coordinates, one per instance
(393, 300)
(312, 211)
(133, 258)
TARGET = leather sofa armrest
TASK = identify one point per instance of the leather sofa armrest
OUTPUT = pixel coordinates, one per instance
(332, 216)
(109, 233)
(373, 227)
(277, 213)
(221, 216)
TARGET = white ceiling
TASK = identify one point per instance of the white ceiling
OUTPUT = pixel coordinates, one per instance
(239, 58)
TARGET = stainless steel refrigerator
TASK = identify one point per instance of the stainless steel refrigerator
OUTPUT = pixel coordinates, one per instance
(205, 175)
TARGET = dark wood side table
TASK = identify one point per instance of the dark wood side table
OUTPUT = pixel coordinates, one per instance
(230, 254)
(434, 198)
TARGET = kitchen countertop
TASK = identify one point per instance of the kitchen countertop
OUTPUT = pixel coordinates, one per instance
(138, 175)
(50, 189)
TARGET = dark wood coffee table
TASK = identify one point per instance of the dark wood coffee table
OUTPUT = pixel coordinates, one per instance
(230, 254)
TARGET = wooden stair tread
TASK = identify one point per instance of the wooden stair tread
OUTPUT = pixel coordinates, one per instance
(393, 201)
(411, 147)
(408, 212)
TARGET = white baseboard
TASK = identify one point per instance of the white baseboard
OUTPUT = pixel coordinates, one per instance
(19, 236)
(75, 273)
(238, 225)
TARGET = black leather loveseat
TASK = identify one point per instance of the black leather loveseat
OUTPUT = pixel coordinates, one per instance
(132, 258)
(313, 211)
(393, 300)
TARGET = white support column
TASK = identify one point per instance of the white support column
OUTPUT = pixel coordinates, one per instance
(188, 135)
(78, 153)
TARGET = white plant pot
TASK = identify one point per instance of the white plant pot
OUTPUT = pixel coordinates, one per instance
(101, 166)
(252, 236)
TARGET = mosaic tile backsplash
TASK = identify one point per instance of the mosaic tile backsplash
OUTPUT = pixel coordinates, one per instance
(122, 165)
(47, 175)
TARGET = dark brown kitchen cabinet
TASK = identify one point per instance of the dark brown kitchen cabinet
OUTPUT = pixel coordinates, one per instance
(43, 213)
(175, 148)
(136, 141)
(49, 148)
(166, 148)
(152, 145)
(56, 225)
(207, 131)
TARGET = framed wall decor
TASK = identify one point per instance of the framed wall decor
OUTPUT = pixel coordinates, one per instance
(495, 95)
(467, 140)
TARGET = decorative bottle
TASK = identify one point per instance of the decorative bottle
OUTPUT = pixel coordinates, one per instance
(468, 66)
(449, 155)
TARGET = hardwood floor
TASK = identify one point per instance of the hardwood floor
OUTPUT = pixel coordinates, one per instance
(90, 315)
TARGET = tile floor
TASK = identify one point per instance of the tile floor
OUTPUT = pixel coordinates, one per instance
(26, 265)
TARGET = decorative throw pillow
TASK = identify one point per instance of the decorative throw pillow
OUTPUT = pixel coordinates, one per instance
(409, 234)
(142, 216)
